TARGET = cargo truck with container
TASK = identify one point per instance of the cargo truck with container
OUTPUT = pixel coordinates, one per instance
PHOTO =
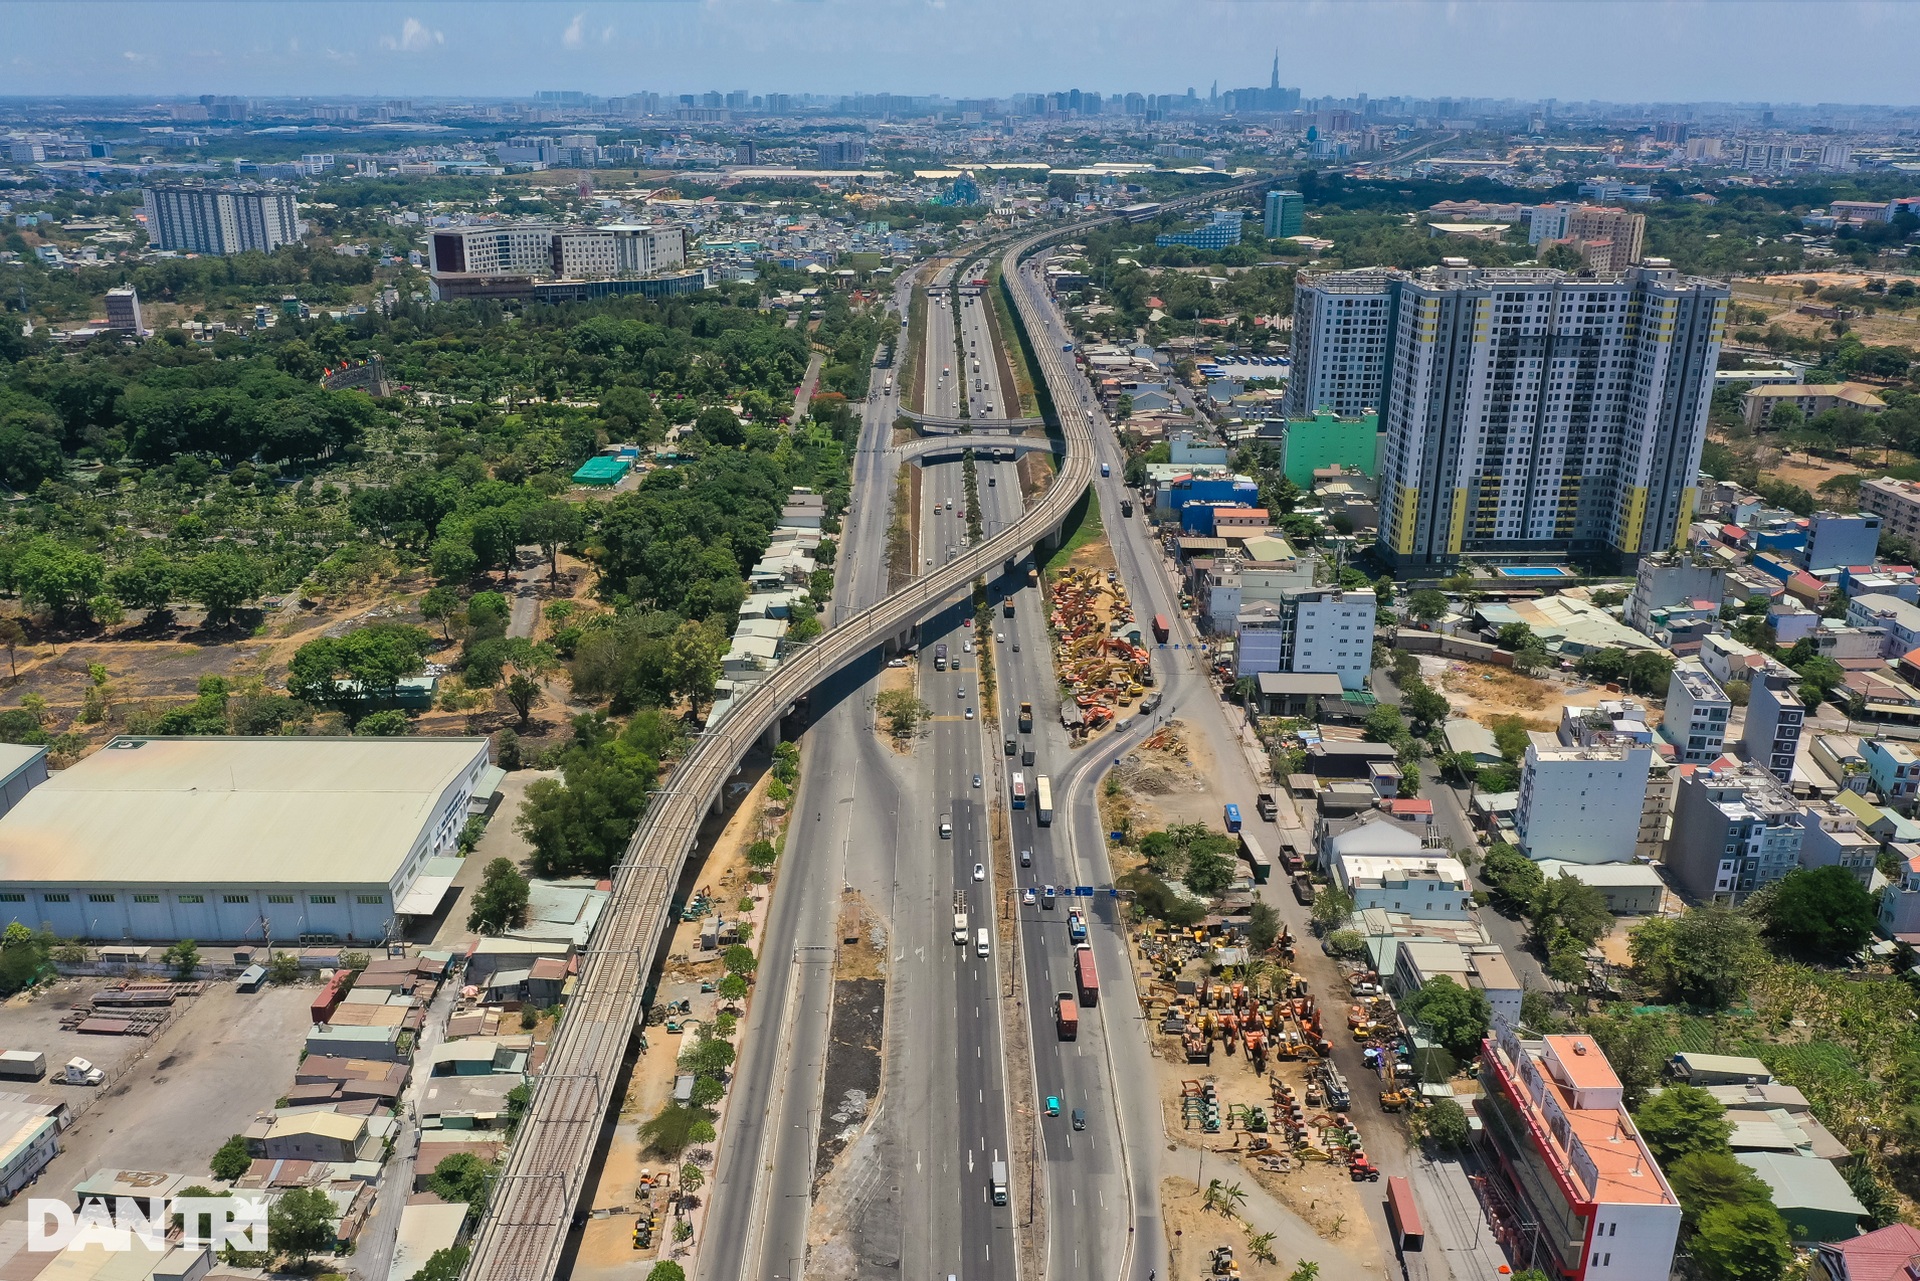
(1006, 607)
(960, 920)
(1257, 857)
(1066, 1016)
(1086, 976)
(1026, 717)
(1267, 806)
(998, 1182)
(23, 1065)
(1403, 1217)
(1043, 800)
(1076, 926)
(1161, 628)
(1126, 507)
(940, 657)
(1026, 752)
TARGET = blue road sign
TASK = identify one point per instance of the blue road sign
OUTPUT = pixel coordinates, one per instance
(1083, 891)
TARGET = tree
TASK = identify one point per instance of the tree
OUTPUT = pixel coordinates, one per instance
(360, 671)
(1683, 1120)
(550, 526)
(443, 1265)
(146, 582)
(902, 711)
(1208, 872)
(1742, 1243)
(1819, 913)
(739, 959)
(231, 1161)
(1516, 636)
(439, 605)
(531, 664)
(221, 581)
(501, 901)
(667, 1270)
(1456, 1017)
(11, 635)
(732, 988)
(1385, 725)
(57, 576)
(1331, 908)
(1514, 879)
(1427, 605)
(184, 957)
(460, 1177)
(1566, 909)
(1426, 706)
(721, 427)
(672, 1130)
(1447, 1124)
(1701, 958)
(300, 1223)
(693, 663)
(1263, 926)
(284, 969)
(762, 855)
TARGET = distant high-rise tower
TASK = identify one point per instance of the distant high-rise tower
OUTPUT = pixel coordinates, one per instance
(1285, 214)
(123, 310)
(1526, 411)
(220, 220)
(1275, 82)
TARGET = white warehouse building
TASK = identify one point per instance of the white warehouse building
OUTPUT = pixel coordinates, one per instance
(235, 839)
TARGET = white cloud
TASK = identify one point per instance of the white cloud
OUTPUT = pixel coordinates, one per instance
(415, 37)
(575, 36)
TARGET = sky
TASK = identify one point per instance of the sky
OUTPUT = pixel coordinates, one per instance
(1855, 51)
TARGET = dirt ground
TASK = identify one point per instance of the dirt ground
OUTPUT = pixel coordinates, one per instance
(1483, 692)
(1164, 787)
(907, 678)
(1780, 295)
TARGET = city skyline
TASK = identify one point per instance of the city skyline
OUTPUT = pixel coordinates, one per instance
(991, 48)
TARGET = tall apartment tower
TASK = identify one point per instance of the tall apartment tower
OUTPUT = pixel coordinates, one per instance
(1285, 214)
(123, 310)
(1340, 325)
(1529, 413)
(220, 220)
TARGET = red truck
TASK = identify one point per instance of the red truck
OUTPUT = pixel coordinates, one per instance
(1086, 978)
(1160, 628)
(1066, 1017)
(1403, 1217)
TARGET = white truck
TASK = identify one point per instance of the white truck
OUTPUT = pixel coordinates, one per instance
(81, 1072)
(960, 919)
(999, 1182)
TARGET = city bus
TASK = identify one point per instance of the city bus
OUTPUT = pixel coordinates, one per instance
(1019, 790)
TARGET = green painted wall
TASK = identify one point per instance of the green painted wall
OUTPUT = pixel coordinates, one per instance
(1326, 441)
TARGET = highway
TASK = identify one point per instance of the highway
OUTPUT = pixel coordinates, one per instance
(526, 1229)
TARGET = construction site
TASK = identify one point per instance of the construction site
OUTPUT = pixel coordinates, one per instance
(1102, 661)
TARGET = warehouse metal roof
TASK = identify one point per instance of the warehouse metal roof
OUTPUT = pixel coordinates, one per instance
(254, 810)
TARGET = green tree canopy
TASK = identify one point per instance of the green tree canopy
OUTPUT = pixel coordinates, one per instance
(300, 1223)
(460, 1177)
(360, 671)
(1819, 913)
(501, 901)
(1456, 1017)
(1702, 958)
(1683, 1120)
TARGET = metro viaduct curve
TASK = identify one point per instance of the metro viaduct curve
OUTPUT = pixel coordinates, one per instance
(524, 1234)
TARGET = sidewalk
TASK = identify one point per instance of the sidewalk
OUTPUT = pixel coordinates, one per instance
(1457, 1230)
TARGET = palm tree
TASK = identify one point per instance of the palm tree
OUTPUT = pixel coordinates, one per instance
(1261, 1247)
(1307, 1270)
(1234, 1197)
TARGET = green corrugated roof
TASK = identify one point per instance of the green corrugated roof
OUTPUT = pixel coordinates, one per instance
(602, 470)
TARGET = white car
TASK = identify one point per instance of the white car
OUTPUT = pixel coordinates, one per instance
(896, 662)
(1029, 896)
(961, 692)
(976, 780)
(979, 871)
(998, 637)
(967, 646)
(969, 713)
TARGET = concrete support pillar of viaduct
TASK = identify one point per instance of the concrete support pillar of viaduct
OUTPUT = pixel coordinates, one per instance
(771, 739)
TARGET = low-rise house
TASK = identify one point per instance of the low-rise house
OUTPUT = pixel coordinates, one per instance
(1834, 838)
(1421, 886)
(1810, 1194)
(1718, 1069)
(1631, 889)
(1894, 768)
(1885, 1254)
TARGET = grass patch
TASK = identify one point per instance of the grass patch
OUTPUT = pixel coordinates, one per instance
(1082, 527)
(1013, 356)
(909, 362)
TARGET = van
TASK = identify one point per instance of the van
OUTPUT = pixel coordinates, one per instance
(980, 945)
(1026, 858)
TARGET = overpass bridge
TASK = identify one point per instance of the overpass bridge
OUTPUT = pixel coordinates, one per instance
(942, 446)
(524, 1234)
(934, 423)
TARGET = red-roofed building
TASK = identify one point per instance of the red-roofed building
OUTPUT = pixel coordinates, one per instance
(1886, 1254)
(1570, 1155)
(1410, 809)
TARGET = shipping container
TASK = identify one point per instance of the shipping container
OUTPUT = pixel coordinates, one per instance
(1066, 1016)
(1161, 628)
(1043, 800)
(1403, 1217)
(1257, 857)
(1087, 977)
(23, 1065)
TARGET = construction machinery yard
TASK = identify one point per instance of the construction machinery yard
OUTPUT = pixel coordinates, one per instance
(1103, 665)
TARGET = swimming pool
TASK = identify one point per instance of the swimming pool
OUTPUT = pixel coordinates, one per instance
(1532, 571)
